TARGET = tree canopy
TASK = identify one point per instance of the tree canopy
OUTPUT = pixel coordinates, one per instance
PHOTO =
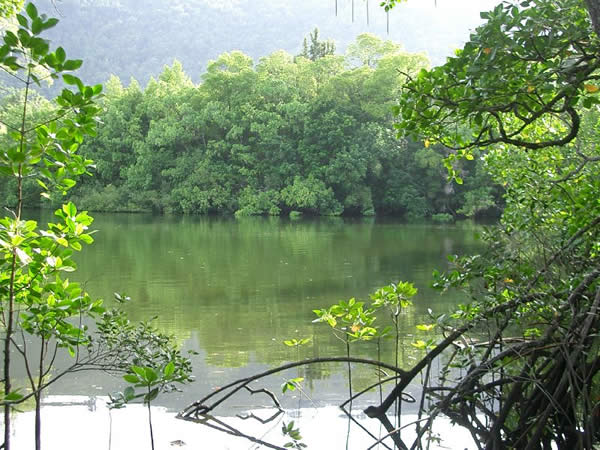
(281, 135)
(531, 66)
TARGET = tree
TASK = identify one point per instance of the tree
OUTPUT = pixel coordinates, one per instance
(317, 49)
(37, 302)
(525, 80)
(504, 83)
(369, 49)
(34, 299)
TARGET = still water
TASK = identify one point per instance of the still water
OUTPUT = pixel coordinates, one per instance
(234, 290)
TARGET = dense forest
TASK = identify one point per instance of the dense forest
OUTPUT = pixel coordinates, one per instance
(311, 134)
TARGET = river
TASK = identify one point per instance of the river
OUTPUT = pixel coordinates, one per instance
(233, 290)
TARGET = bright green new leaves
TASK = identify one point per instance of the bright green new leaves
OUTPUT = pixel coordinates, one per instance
(9, 7)
(350, 318)
(292, 384)
(42, 146)
(395, 296)
(47, 300)
(526, 68)
(46, 150)
(389, 4)
(297, 342)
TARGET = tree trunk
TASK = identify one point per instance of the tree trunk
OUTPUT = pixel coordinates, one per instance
(593, 7)
(38, 421)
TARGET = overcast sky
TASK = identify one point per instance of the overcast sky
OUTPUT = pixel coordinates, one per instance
(421, 25)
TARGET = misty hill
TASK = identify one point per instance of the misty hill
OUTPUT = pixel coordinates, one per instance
(136, 38)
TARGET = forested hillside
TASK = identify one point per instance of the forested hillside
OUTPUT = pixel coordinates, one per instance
(251, 134)
(285, 134)
(136, 38)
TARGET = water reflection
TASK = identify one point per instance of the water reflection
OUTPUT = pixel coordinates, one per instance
(233, 290)
(70, 424)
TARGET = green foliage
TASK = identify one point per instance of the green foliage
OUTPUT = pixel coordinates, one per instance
(291, 385)
(8, 8)
(317, 49)
(151, 359)
(296, 342)
(369, 49)
(442, 218)
(37, 303)
(39, 145)
(258, 203)
(477, 201)
(310, 195)
(348, 319)
(394, 296)
(294, 434)
(504, 84)
(287, 134)
(526, 79)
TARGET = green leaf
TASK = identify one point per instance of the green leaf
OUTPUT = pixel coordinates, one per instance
(11, 39)
(72, 64)
(13, 396)
(139, 371)
(60, 54)
(37, 26)
(51, 22)
(130, 378)
(68, 183)
(129, 393)
(151, 395)
(4, 50)
(62, 241)
(420, 344)
(86, 238)
(22, 21)
(169, 369)
(150, 374)
(31, 10)
(71, 79)
(70, 209)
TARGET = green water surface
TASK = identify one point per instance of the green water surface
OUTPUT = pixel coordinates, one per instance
(233, 290)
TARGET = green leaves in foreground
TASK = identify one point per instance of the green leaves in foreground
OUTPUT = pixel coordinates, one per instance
(510, 84)
(354, 319)
(294, 434)
(292, 384)
(45, 148)
(150, 357)
(394, 296)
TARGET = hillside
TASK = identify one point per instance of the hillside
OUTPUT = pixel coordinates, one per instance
(135, 38)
